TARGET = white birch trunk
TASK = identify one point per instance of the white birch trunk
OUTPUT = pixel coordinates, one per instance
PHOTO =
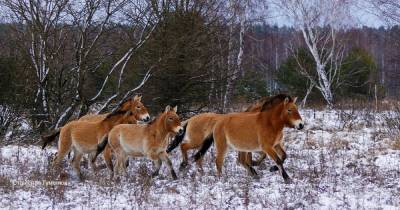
(234, 70)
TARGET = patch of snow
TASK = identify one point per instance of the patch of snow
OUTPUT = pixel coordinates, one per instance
(332, 167)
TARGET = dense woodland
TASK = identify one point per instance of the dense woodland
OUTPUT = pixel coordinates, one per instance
(60, 59)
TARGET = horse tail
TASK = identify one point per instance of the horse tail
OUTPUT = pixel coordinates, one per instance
(177, 140)
(206, 145)
(50, 137)
(101, 147)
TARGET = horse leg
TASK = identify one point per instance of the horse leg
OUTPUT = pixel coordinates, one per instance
(274, 156)
(64, 147)
(221, 149)
(282, 154)
(259, 160)
(107, 155)
(158, 164)
(244, 159)
(92, 163)
(184, 148)
(76, 164)
(119, 166)
(164, 157)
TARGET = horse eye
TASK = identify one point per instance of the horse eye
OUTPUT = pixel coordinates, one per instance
(289, 111)
(170, 118)
(138, 107)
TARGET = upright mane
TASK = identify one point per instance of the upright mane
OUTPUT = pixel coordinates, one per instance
(155, 119)
(275, 100)
(115, 113)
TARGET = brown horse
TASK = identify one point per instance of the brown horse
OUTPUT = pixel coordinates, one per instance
(134, 104)
(82, 137)
(144, 140)
(254, 132)
(198, 132)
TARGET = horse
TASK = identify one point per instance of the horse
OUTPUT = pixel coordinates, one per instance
(82, 137)
(148, 140)
(198, 132)
(134, 104)
(260, 131)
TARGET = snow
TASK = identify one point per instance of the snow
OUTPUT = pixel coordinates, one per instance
(332, 166)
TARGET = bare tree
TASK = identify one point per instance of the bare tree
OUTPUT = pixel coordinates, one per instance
(85, 29)
(92, 19)
(387, 9)
(319, 22)
(238, 9)
(240, 13)
(43, 37)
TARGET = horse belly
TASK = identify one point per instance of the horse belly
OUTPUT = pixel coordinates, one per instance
(245, 145)
(131, 146)
(84, 147)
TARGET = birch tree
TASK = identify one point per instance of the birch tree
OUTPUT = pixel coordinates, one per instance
(92, 19)
(40, 21)
(319, 22)
(387, 9)
(240, 13)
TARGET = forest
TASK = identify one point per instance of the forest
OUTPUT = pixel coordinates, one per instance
(58, 64)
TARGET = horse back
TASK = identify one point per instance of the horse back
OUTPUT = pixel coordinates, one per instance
(93, 117)
(242, 131)
(201, 126)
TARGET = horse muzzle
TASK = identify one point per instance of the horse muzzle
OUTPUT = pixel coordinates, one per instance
(179, 130)
(299, 124)
(145, 118)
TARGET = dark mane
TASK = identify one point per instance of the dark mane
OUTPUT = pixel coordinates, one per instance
(275, 100)
(120, 104)
(257, 104)
(115, 113)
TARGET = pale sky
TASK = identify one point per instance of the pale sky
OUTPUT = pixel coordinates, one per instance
(363, 15)
(362, 12)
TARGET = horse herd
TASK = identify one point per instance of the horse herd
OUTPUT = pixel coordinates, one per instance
(258, 129)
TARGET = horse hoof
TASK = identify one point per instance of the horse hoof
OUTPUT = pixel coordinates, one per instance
(81, 178)
(256, 176)
(183, 166)
(253, 172)
(273, 168)
(288, 181)
(154, 174)
(174, 177)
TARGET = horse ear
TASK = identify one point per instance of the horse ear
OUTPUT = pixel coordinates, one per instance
(175, 109)
(294, 100)
(167, 108)
(137, 98)
(286, 100)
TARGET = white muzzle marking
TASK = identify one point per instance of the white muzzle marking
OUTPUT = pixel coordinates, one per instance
(298, 124)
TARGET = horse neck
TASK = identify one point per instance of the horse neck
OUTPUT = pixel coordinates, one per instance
(273, 119)
(158, 127)
(108, 124)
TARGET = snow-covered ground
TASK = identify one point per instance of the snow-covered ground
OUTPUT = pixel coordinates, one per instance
(341, 160)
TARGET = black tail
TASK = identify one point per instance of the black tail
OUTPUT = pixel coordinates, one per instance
(50, 137)
(100, 148)
(177, 140)
(206, 145)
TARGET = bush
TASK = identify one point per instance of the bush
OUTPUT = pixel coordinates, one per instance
(357, 74)
(289, 76)
(252, 86)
